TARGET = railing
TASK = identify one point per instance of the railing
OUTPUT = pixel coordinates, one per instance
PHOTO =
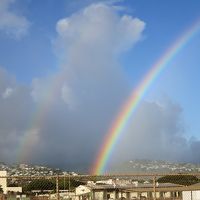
(86, 187)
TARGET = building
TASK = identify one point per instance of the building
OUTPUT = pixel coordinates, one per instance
(82, 192)
(134, 190)
(192, 192)
(3, 184)
(3, 181)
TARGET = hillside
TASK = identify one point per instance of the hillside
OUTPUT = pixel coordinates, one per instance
(154, 166)
(31, 170)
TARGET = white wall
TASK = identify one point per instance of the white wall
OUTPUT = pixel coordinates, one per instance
(81, 189)
(191, 195)
(14, 189)
(3, 181)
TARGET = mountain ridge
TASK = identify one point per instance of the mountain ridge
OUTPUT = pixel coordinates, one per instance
(154, 166)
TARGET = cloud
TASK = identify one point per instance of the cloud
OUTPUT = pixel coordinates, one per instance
(15, 110)
(80, 4)
(157, 132)
(87, 45)
(67, 96)
(7, 93)
(97, 28)
(12, 24)
(90, 84)
(63, 117)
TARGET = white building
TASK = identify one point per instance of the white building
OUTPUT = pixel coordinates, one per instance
(3, 181)
(3, 184)
(82, 189)
(193, 194)
(14, 189)
(82, 192)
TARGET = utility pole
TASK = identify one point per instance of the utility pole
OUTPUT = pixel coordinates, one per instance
(69, 184)
(57, 187)
(154, 187)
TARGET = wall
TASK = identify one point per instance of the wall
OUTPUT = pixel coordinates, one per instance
(3, 181)
(14, 189)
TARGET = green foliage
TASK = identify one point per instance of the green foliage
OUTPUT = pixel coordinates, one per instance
(179, 179)
(68, 183)
(50, 184)
(13, 185)
(40, 184)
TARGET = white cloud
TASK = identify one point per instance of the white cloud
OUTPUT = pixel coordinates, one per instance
(12, 24)
(7, 93)
(88, 43)
(67, 96)
(98, 26)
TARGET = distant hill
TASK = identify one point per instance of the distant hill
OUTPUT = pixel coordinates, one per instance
(132, 166)
(31, 170)
(154, 166)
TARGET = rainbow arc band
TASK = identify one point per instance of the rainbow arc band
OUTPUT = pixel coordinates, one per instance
(38, 119)
(128, 109)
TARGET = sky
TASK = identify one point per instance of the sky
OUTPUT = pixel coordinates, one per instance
(68, 66)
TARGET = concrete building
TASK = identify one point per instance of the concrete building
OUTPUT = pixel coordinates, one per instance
(82, 192)
(14, 189)
(3, 184)
(138, 191)
(192, 193)
(3, 181)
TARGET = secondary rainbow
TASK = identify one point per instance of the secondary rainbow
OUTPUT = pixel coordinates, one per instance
(38, 119)
(131, 104)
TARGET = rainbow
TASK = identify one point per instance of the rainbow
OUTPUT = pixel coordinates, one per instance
(136, 96)
(30, 136)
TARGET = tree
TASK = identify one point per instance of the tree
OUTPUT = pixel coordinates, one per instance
(50, 184)
(66, 183)
(40, 184)
(179, 179)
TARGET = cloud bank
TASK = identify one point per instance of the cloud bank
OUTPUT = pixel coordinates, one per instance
(61, 119)
(90, 84)
(15, 111)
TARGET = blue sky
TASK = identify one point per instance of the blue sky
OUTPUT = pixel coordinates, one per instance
(164, 25)
(34, 50)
